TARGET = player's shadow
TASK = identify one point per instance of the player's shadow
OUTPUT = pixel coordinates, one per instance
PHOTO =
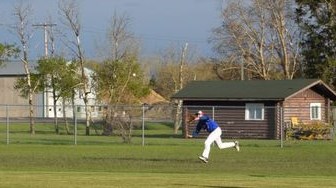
(211, 186)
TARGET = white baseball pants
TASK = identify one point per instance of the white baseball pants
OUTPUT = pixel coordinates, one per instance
(215, 136)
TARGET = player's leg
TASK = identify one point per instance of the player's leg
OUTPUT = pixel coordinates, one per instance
(223, 145)
(207, 144)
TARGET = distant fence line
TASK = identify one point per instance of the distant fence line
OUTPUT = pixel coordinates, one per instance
(165, 112)
(160, 112)
(69, 111)
(140, 115)
(157, 111)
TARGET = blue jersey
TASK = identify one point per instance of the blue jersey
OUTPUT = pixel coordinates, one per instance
(205, 123)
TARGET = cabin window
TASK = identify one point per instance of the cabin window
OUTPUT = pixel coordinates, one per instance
(254, 111)
(315, 111)
(81, 94)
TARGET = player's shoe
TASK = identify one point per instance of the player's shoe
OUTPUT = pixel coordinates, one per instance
(237, 145)
(203, 159)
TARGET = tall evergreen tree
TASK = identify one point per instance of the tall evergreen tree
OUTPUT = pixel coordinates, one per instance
(317, 20)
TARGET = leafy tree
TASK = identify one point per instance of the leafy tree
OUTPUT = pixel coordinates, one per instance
(120, 78)
(70, 12)
(7, 51)
(120, 82)
(24, 89)
(60, 78)
(316, 19)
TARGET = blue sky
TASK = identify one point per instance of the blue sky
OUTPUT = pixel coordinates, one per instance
(157, 23)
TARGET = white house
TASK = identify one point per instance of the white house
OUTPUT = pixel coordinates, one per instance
(43, 102)
(78, 102)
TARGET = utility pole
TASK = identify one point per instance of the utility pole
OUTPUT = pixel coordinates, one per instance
(46, 91)
(45, 25)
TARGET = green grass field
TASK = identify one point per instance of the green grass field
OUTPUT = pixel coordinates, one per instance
(166, 160)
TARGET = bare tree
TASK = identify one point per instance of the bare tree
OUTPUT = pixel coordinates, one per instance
(168, 74)
(22, 13)
(178, 115)
(167, 78)
(286, 36)
(261, 33)
(69, 9)
(120, 79)
(176, 70)
(121, 41)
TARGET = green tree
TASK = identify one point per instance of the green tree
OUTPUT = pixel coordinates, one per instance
(70, 12)
(7, 51)
(120, 78)
(60, 79)
(120, 82)
(316, 19)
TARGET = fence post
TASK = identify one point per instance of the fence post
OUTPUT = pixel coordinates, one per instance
(334, 121)
(143, 124)
(281, 126)
(75, 127)
(213, 112)
(7, 126)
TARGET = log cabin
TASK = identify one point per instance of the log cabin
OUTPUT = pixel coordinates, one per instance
(257, 109)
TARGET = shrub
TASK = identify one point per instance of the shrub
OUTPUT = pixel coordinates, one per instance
(310, 131)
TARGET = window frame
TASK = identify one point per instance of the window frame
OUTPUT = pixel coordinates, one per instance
(254, 107)
(315, 109)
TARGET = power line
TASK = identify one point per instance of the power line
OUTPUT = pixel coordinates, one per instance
(153, 37)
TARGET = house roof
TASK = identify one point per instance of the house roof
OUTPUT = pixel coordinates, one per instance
(13, 68)
(153, 98)
(251, 89)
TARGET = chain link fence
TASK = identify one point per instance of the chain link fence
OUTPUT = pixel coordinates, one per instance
(70, 124)
(268, 122)
(128, 121)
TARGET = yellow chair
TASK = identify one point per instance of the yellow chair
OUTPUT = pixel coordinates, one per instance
(294, 122)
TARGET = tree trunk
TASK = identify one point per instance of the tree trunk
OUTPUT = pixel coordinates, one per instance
(66, 126)
(55, 112)
(178, 116)
(30, 95)
(31, 114)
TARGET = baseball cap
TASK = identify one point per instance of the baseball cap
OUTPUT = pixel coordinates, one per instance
(199, 113)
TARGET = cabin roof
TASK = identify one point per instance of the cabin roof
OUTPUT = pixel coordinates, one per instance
(251, 89)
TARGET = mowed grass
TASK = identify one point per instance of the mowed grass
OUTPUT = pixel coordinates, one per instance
(166, 160)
